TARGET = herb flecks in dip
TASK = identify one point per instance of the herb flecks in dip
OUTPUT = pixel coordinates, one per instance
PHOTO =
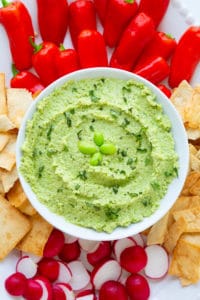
(100, 190)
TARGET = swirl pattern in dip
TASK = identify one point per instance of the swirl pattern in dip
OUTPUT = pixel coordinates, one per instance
(121, 187)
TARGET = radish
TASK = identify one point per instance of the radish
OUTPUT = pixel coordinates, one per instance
(88, 287)
(113, 290)
(47, 293)
(86, 295)
(70, 238)
(137, 287)
(34, 257)
(133, 259)
(80, 277)
(89, 246)
(58, 293)
(64, 274)
(54, 244)
(33, 290)
(15, 284)
(49, 268)
(109, 270)
(123, 277)
(138, 239)
(120, 245)
(70, 252)
(157, 263)
(26, 266)
(84, 260)
(63, 291)
(101, 253)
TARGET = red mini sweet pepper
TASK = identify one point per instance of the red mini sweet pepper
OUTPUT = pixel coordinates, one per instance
(92, 49)
(101, 9)
(119, 13)
(18, 25)
(165, 90)
(82, 15)
(156, 9)
(162, 44)
(52, 20)
(66, 61)
(155, 69)
(27, 80)
(136, 36)
(186, 57)
(43, 61)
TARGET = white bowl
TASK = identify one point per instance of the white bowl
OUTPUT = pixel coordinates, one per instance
(181, 147)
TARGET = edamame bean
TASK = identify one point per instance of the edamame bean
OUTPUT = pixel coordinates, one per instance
(108, 149)
(96, 159)
(98, 138)
(87, 148)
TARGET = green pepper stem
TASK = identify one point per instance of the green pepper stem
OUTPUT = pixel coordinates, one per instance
(5, 3)
(14, 70)
(36, 47)
(62, 47)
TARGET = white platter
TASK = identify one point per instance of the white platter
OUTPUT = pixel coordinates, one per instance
(181, 14)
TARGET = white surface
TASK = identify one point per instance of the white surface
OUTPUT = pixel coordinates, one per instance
(181, 14)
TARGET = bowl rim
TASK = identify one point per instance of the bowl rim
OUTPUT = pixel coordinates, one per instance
(174, 189)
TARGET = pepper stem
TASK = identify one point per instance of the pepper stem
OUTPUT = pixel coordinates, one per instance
(5, 3)
(62, 47)
(36, 47)
(14, 70)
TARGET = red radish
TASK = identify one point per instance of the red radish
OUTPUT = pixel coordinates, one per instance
(58, 293)
(64, 274)
(54, 244)
(113, 290)
(86, 295)
(63, 291)
(49, 268)
(88, 287)
(120, 245)
(33, 290)
(15, 284)
(138, 239)
(70, 238)
(133, 259)
(34, 257)
(101, 253)
(123, 277)
(26, 266)
(137, 287)
(70, 252)
(84, 260)
(109, 270)
(87, 245)
(157, 262)
(80, 277)
(46, 288)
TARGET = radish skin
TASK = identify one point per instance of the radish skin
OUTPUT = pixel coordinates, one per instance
(109, 270)
(26, 266)
(80, 277)
(66, 289)
(138, 239)
(122, 244)
(89, 246)
(64, 274)
(157, 262)
(84, 260)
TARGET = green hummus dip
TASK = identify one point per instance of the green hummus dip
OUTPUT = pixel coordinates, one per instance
(128, 161)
